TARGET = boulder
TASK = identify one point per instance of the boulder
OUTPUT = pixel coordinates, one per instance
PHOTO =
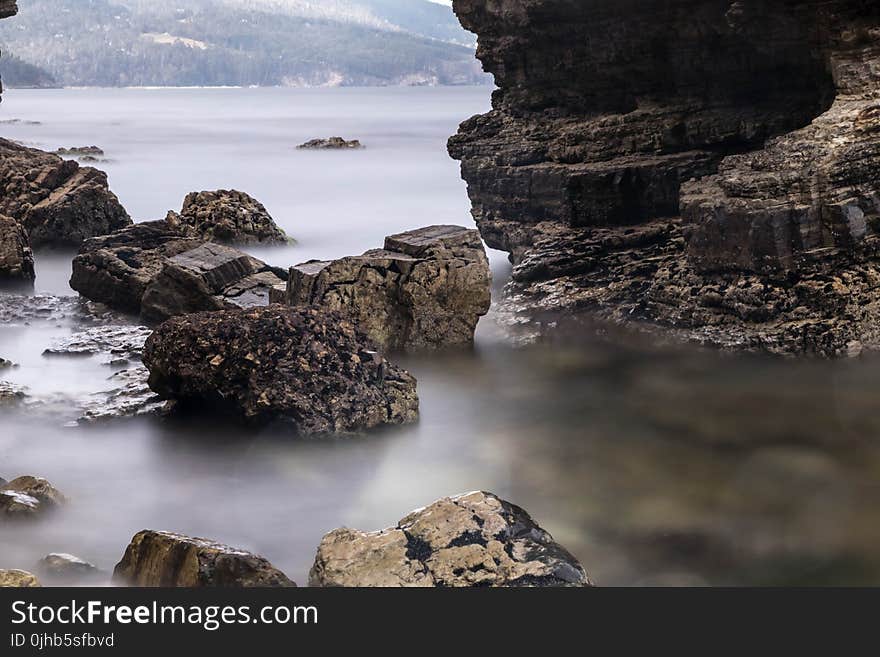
(471, 540)
(57, 202)
(304, 367)
(116, 269)
(28, 497)
(426, 288)
(227, 216)
(209, 277)
(66, 569)
(331, 143)
(16, 257)
(18, 579)
(165, 559)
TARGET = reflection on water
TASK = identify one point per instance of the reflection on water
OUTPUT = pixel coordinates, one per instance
(653, 465)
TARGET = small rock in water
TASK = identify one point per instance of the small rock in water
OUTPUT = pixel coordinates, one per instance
(28, 497)
(112, 343)
(6, 364)
(331, 143)
(166, 559)
(80, 151)
(227, 216)
(472, 540)
(11, 394)
(66, 569)
(18, 579)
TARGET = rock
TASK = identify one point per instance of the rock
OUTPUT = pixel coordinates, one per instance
(11, 394)
(471, 540)
(80, 152)
(17, 578)
(28, 497)
(227, 216)
(332, 143)
(66, 569)
(6, 364)
(116, 269)
(128, 395)
(8, 8)
(165, 559)
(209, 277)
(115, 345)
(16, 257)
(426, 289)
(304, 367)
(731, 216)
(56, 201)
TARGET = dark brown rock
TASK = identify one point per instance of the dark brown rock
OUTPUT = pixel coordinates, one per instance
(165, 559)
(209, 277)
(58, 202)
(471, 540)
(226, 216)
(426, 289)
(16, 257)
(304, 367)
(331, 143)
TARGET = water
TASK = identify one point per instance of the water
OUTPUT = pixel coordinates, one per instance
(654, 465)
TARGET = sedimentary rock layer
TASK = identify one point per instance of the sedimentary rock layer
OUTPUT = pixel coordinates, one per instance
(740, 139)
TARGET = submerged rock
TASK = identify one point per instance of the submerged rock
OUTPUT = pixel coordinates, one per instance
(426, 289)
(331, 143)
(17, 578)
(114, 344)
(128, 395)
(80, 152)
(28, 497)
(165, 559)
(209, 277)
(226, 216)
(11, 394)
(16, 257)
(472, 540)
(57, 202)
(300, 366)
(66, 569)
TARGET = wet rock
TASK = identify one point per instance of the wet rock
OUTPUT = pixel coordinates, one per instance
(227, 216)
(165, 559)
(6, 364)
(303, 367)
(26, 309)
(56, 201)
(116, 269)
(16, 257)
(79, 151)
(426, 289)
(11, 394)
(67, 570)
(331, 143)
(128, 395)
(209, 277)
(17, 578)
(29, 497)
(472, 540)
(115, 345)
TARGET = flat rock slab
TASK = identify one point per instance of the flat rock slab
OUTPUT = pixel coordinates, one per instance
(471, 540)
(426, 289)
(166, 559)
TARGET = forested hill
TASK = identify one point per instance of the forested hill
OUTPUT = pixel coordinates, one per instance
(242, 42)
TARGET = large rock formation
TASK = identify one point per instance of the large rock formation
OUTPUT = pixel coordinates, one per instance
(7, 8)
(165, 559)
(227, 216)
(305, 367)
(426, 289)
(471, 540)
(705, 166)
(58, 202)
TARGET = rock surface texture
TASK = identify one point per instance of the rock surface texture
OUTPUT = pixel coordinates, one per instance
(16, 257)
(165, 559)
(472, 540)
(226, 216)
(299, 366)
(18, 578)
(28, 497)
(425, 289)
(707, 168)
(57, 202)
(330, 143)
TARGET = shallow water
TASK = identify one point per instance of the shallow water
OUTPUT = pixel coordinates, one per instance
(654, 465)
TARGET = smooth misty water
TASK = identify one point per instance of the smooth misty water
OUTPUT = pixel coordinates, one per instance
(653, 465)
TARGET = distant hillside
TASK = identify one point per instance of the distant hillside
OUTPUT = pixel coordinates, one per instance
(243, 42)
(19, 74)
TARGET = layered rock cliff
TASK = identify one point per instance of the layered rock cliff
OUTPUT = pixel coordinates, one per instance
(7, 8)
(708, 166)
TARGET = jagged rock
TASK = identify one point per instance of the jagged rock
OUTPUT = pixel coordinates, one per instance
(165, 559)
(426, 289)
(129, 395)
(57, 202)
(331, 143)
(66, 569)
(300, 366)
(116, 269)
(80, 151)
(227, 216)
(472, 540)
(28, 497)
(209, 277)
(17, 578)
(759, 123)
(16, 257)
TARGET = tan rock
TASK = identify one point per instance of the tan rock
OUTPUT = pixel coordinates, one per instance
(18, 579)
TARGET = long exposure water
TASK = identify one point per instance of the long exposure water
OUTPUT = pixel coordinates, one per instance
(654, 465)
